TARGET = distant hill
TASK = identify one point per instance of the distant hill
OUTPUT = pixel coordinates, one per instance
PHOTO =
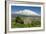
(25, 16)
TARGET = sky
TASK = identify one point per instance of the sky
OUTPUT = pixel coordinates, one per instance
(18, 8)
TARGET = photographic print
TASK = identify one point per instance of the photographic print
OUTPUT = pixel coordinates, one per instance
(25, 17)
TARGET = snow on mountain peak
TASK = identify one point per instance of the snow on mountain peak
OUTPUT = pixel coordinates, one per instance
(26, 12)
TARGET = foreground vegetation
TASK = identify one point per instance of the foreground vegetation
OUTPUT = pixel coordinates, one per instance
(35, 23)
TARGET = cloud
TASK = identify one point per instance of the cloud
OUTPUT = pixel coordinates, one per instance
(26, 12)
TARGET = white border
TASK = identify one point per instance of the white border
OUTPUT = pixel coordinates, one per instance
(23, 29)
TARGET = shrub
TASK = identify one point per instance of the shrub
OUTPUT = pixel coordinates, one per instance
(19, 20)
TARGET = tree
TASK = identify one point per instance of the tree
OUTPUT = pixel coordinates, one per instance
(19, 20)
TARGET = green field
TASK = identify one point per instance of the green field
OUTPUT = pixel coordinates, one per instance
(35, 23)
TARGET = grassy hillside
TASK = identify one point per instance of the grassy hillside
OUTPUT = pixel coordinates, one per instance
(35, 23)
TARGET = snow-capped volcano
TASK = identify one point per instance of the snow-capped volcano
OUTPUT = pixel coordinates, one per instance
(26, 12)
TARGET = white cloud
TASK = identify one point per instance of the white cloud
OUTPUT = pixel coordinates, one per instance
(26, 12)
